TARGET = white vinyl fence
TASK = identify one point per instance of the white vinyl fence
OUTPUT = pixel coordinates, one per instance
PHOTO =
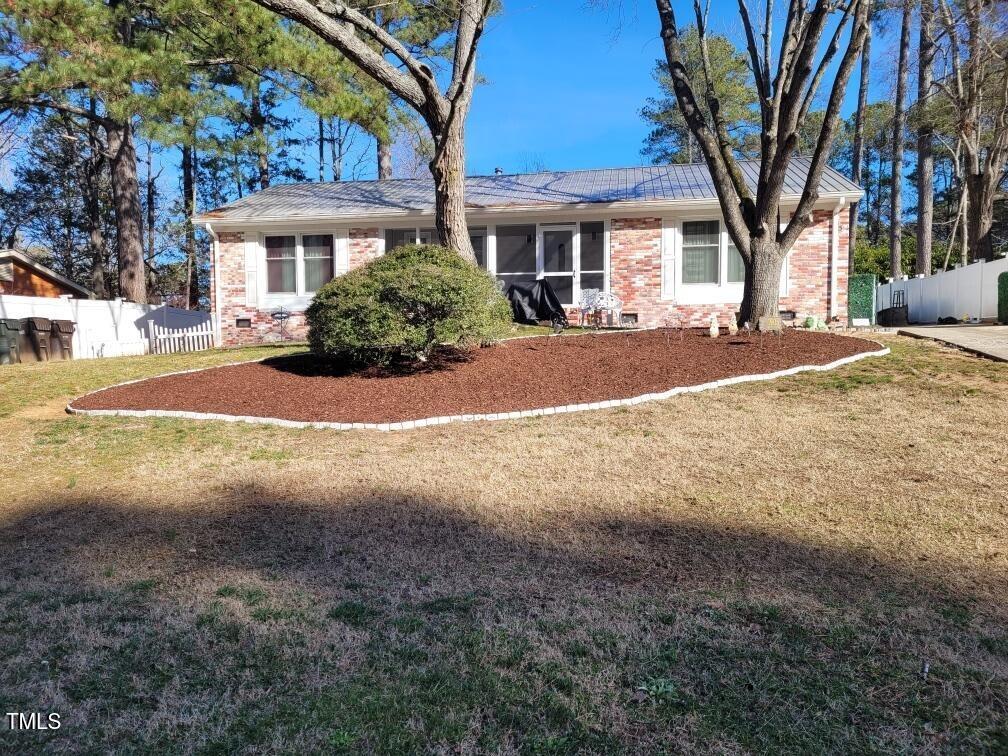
(967, 291)
(113, 328)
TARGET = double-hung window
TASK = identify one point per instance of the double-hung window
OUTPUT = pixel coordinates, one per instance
(401, 237)
(318, 260)
(281, 264)
(700, 264)
(701, 252)
(298, 264)
(709, 256)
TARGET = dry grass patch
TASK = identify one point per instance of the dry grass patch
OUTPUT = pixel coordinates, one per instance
(762, 568)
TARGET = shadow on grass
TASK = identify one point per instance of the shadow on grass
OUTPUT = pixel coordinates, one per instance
(386, 622)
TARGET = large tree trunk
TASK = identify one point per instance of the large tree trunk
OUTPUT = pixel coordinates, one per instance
(980, 216)
(188, 208)
(858, 157)
(321, 149)
(448, 169)
(257, 121)
(762, 285)
(90, 181)
(384, 159)
(336, 148)
(925, 142)
(899, 128)
(151, 210)
(128, 213)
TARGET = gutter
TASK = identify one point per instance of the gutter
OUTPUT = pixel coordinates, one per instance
(215, 310)
(835, 256)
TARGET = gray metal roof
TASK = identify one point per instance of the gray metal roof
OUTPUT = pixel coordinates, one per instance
(664, 183)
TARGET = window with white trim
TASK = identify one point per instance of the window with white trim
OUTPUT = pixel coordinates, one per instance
(298, 264)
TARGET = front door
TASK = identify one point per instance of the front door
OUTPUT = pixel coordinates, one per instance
(558, 261)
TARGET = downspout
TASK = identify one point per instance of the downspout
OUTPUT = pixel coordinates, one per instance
(834, 257)
(215, 274)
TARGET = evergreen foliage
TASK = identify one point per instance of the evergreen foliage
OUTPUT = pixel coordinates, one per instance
(405, 303)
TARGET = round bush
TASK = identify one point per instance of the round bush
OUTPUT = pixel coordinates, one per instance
(403, 304)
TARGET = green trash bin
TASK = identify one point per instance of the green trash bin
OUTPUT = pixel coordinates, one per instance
(35, 339)
(61, 340)
(10, 341)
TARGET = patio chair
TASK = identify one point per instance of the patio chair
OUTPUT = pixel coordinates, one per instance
(610, 303)
(588, 304)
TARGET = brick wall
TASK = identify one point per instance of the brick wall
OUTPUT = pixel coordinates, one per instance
(364, 245)
(635, 273)
(635, 276)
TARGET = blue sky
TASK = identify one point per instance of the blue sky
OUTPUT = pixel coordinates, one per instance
(564, 82)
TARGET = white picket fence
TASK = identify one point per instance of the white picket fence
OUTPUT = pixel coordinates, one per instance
(970, 290)
(112, 327)
(192, 339)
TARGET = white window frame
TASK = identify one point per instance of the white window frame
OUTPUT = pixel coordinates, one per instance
(300, 298)
(722, 292)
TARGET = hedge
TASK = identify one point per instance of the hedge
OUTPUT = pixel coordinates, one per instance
(403, 304)
(861, 296)
(1003, 298)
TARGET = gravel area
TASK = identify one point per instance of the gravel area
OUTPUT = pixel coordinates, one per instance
(515, 375)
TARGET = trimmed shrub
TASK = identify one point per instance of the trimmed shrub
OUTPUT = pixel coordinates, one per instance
(861, 296)
(1003, 298)
(403, 304)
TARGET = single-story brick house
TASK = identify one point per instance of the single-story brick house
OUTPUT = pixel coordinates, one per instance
(651, 235)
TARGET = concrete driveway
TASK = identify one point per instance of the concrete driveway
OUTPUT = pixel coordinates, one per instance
(986, 340)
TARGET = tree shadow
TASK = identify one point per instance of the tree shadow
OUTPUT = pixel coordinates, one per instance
(309, 365)
(446, 607)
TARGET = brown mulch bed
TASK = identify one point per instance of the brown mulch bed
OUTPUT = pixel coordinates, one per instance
(515, 375)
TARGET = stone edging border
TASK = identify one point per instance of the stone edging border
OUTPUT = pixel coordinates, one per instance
(432, 421)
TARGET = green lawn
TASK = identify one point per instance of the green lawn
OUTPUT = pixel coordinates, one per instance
(766, 568)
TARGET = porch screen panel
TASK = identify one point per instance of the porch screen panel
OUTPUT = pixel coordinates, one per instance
(558, 251)
(701, 250)
(429, 236)
(281, 264)
(516, 253)
(736, 268)
(399, 237)
(593, 256)
(477, 236)
(318, 260)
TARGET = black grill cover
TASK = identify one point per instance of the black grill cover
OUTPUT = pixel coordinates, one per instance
(532, 301)
(892, 317)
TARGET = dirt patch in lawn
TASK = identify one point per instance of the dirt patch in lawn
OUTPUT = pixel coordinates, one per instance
(515, 375)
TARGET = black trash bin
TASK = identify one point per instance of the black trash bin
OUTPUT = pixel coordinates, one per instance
(61, 340)
(10, 341)
(35, 339)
